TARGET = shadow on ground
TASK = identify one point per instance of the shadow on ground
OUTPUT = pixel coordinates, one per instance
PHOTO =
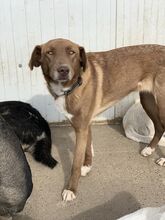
(120, 130)
(22, 217)
(123, 203)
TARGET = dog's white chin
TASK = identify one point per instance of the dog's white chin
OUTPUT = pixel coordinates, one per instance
(62, 80)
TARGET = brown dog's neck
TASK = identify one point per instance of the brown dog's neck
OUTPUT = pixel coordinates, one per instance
(73, 86)
(64, 89)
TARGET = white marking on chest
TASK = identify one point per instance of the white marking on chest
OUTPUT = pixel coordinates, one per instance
(60, 101)
(61, 107)
(56, 89)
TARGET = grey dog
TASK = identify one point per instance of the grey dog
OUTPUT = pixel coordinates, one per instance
(15, 175)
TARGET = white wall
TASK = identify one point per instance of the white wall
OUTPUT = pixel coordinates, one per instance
(95, 24)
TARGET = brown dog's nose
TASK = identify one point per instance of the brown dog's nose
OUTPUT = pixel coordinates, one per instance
(63, 70)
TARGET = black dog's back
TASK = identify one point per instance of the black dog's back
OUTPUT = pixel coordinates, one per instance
(31, 128)
(21, 116)
(15, 175)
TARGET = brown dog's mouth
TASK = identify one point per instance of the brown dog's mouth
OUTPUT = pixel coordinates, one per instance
(60, 79)
(63, 78)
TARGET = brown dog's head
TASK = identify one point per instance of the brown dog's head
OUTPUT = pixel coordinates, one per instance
(61, 60)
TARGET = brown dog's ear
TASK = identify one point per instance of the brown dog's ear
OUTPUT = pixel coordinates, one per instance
(35, 57)
(83, 58)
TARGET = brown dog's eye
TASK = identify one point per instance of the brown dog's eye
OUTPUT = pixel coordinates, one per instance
(50, 52)
(71, 52)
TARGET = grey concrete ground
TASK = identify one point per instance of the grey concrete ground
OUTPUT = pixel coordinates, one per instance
(120, 182)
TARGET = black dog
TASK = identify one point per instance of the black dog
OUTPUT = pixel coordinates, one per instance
(15, 175)
(31, 128)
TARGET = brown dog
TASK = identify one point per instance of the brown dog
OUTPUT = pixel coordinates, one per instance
(85, 84)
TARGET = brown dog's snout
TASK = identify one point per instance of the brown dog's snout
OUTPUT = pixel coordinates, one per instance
(63, 72)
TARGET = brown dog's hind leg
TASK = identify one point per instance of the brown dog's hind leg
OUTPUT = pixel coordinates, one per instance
(87, 166)
(149, 104)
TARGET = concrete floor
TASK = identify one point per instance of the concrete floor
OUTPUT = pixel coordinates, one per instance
(120, 182)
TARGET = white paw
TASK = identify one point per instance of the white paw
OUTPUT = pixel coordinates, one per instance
(161, 161)
(147, 151)
(68, 195)
(85, 170)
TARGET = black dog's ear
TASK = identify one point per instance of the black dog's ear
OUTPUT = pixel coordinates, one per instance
(35, 57)
(83, 58)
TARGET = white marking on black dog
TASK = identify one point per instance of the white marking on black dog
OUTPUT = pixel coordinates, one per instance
(42, 136)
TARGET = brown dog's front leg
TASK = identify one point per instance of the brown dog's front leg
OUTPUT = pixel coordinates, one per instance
(87, 165)
(81, 141)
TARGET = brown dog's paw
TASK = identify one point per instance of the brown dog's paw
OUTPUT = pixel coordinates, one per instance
(85, 170)
(68, 195)
(161, 162)
(147, 151)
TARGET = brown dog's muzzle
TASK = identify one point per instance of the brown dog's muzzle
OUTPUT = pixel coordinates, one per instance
(63, 72)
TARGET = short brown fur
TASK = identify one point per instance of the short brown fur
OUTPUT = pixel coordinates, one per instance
(107, 77)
